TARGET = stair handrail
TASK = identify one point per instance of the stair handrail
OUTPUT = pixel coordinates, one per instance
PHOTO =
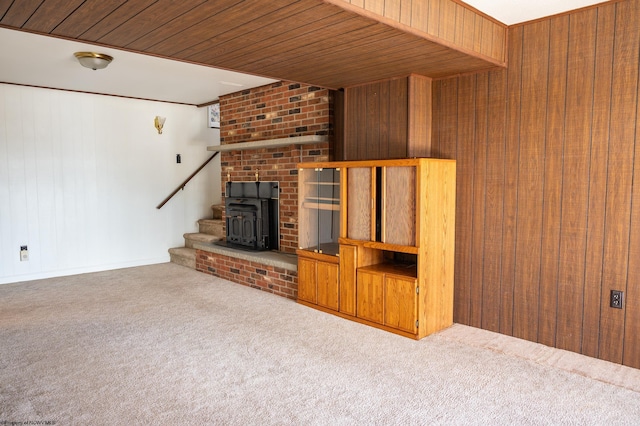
(183, 184)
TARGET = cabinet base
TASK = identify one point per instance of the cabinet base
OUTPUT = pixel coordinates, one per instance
(360, 320)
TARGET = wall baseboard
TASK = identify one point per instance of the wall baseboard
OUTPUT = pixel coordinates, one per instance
(84, 270)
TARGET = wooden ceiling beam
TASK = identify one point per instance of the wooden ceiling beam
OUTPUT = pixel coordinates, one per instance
(329, 43)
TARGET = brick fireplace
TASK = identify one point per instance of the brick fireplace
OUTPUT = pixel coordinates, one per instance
(279, 110)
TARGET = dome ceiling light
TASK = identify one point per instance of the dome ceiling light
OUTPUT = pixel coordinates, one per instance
(95, 61)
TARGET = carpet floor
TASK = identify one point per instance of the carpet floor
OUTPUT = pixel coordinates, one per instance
(163, 344)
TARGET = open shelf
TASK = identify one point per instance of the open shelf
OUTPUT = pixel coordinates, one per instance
(380, 246)
(332, 249)
(320, 205)
(404, 270)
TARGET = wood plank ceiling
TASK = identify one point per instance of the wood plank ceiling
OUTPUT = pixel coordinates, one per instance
(309, 41)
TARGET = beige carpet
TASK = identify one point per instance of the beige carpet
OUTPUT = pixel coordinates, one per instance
(166, 345)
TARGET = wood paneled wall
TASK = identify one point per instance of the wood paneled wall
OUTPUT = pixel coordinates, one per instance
(548, 195)
(385, 119)
(457, 24)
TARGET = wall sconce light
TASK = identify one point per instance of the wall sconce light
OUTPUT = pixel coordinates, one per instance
(159, 123)
(95, 61)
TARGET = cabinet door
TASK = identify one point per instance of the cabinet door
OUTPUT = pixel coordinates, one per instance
(399, 209)
(360, 203)
(327, 284)
(319, 210)
(307, 209)
(328, 202)
(307, 284)
(400, 303)
(348, 279)
(370, 290)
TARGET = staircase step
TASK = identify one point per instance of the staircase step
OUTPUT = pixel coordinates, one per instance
(212, 227)
(183, 256)
(190, 238)
(217, 211)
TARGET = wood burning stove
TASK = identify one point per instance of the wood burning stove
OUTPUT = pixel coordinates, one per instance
(252, 215)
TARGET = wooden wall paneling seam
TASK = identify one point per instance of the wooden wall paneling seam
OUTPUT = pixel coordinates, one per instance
(355, 103)
(618, 214)
(477, 34)
(339, 116)
(478, 199)
(598, 180)
(531, 157)
(468, 37)
(433, 17)
(464, 195)
(580, 77)
(459, 33)
(375, 6)
(406, 12)
(385, 95)
(449, 136)
(419, 15)
(420, 119)
(413, 110)
(556, 97)
(448, 21)
(631, 351)
(436, 128)
(371, 149)
(499, 47)
(514, 78)
(487, 34)
(398, 117)
(392, 9)
(495, 175)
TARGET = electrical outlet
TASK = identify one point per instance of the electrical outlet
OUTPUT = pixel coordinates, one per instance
(24, 254)
(616, 299)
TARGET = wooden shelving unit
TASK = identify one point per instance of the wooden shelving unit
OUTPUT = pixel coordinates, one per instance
(392, 267)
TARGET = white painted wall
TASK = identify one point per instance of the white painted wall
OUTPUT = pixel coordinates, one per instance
(81, 176)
